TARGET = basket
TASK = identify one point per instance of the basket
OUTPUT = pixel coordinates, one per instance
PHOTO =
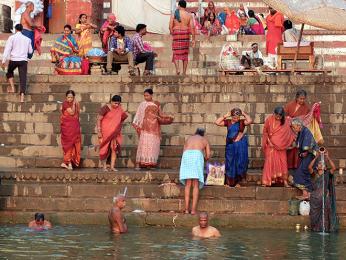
(97, 59)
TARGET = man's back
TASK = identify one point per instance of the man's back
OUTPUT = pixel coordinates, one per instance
(185, 22)
(17, 47)
(195, 142)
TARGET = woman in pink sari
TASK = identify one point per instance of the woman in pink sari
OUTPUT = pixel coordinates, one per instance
(70, 131)
(107, 30)
(147, 123)
(277, 138)
(109, 123)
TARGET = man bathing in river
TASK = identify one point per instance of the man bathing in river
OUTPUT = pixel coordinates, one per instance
(117, 222)
(204, 230)
(39, 223)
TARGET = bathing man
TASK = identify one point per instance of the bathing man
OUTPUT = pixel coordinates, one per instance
(117, 222)
(39, 223)
(204, 230)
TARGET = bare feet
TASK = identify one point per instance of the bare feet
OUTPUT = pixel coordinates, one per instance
(104, 169)
(237, 186)
(186, 212)
(22, 98)
(63, 165)
(193, 212)
(10, 89)
(70, 168)
(114, 170)
(286, 184)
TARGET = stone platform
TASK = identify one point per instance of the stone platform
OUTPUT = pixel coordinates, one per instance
(85, 196)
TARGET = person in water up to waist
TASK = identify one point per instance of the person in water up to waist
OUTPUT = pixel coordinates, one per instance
(117, 222)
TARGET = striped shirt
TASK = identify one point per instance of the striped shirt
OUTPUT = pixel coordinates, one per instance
(137, 45)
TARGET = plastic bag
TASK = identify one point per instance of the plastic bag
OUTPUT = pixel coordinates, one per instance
(229, 58)
(304, 208)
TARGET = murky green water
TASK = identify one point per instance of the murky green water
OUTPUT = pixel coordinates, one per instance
(95, 242)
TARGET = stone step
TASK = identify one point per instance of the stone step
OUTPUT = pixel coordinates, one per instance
(164, 219)
(233, 206)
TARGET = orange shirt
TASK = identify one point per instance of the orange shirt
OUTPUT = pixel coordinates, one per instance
(274, 35)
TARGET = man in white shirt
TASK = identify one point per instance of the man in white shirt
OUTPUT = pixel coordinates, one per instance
(253, 58)
(16, 51)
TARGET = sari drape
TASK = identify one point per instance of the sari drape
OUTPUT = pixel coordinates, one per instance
(331, 220)
(84, 39)
(111, 124)
(147, 124)
(62, 52)
(70, 134)
(281, 137)
(307, 150)
(274, 33)
(236, 153)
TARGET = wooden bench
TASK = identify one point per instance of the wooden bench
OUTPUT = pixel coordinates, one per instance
(241, 72)
(288, 53)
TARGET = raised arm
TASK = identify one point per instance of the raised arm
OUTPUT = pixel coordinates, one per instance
(311, 165)
(248, 120)
(220, 120)
(331, 163)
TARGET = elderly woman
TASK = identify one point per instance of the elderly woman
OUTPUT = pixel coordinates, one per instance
(323, 186)
(107, 30)
(236, 154)
(64, 54)
(307, 150)
(70, 131)
(276, 139)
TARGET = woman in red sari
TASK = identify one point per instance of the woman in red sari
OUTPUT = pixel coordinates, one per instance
(277, 138)
(109, 123)
(70, 131)
(147, 123)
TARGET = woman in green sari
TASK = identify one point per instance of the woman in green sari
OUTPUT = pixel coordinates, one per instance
(324, 178)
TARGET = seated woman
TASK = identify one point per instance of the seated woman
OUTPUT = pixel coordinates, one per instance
(212, 26)
(64, 54)
(107, 30)
(254, 23)
(323, 185)
(236, 161)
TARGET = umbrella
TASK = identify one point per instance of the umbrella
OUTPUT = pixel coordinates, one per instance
(326, 14)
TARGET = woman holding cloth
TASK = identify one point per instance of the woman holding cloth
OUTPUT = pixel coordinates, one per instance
(236, 162)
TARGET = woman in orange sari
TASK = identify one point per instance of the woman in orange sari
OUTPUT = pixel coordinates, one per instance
(70, 131)
(109, 123)
(277, 138)
(83, 30)
(147, 123)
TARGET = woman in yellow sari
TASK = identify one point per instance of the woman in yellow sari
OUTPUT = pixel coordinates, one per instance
(83, 30)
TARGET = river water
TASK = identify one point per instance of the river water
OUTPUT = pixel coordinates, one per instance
(95, 242)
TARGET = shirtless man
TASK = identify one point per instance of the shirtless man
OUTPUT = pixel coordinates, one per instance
(196, 150)
(39, 223)
(181, 25)
(117, 222)
(204, 230)
(29, 24)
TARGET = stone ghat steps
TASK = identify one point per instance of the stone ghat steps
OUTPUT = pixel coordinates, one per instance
(164, 219)
(232, 206)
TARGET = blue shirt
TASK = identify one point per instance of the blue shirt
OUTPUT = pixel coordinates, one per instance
(127, 41)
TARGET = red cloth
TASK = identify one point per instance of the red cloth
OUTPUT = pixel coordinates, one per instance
(105, 35)
(70, 134)
(275, 29)
(111, 131)
(281, 137)
(232, 22)
(181, 44)
(292, 110)
(38, 38)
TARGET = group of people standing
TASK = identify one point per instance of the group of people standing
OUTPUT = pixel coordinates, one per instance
(111, 117)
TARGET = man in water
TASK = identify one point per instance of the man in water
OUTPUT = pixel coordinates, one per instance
(204, 230)
(28, 25)
(39, 223)
(117, 222)
(181, 26)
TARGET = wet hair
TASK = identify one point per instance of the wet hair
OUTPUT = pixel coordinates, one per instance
(116, 98)
(203, 214)
(288, 24)
(297, 121)
(182, 3)
(251, 13)
(121, 30)
(80, 17)
(149, 91)
(255, 43)
(19, 27)
(39, 216)
(200, 131)
(301, 93)
(281, 112)
(236, 112)
(119, 197)
(70, 92)
(140, 27)
(68, 26)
